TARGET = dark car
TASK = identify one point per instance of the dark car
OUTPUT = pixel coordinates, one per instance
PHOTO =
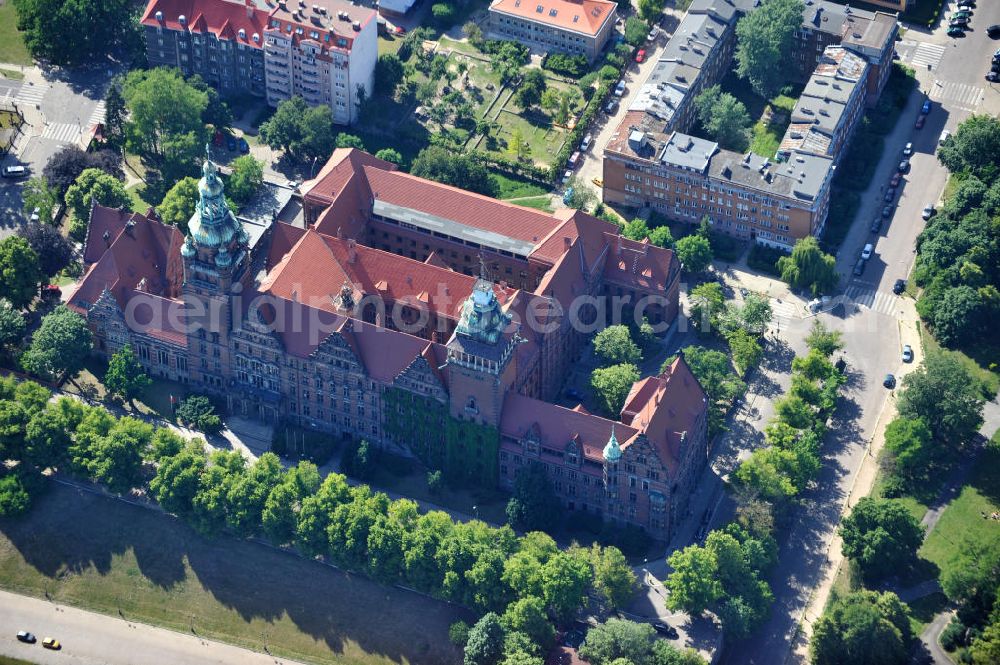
(887, 212)
(904, 166)
(955, 31)
(959, 22)
(919, 124)
(926, 107)
(859, 267)
(244, 146)
(992, 76)
(231, 143)
(899, 286)
(993, 30)
(664, 629)
(573, 639)
(890, 194)
(889, 381)
(876, 224)
(895, 180)
(26, 637)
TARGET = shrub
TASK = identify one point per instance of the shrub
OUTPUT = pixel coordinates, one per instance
(458, 633)
(197, 411)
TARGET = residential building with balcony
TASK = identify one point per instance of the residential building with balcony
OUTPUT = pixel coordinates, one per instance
(567, 26)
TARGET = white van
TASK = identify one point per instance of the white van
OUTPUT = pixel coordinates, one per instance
(17, 171)
(866, 253)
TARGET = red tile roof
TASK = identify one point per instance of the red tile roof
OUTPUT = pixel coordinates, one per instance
(105, 220)
(343, 164)
(223, 18)
(586, 16)
(639, 265)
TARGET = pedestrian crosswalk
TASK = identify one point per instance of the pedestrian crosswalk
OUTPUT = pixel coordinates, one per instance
(62, 131)
(961, 95)
(785, 310)
(927, 55)
(873, 299)
(31, 94)
(97, 115)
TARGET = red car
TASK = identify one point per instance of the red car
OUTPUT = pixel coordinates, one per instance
(399, 30)
(920, 122)
(640, 55)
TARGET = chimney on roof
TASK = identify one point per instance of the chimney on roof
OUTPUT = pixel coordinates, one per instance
(107, 238)
(352, 252)
(129, 225)
(567, 242)
(295, 295)
(619, 250)
(250, 8)
(340, 232)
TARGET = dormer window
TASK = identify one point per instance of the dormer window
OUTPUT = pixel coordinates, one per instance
(471, 406)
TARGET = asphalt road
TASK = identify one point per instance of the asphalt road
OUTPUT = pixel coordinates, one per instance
(96, 639)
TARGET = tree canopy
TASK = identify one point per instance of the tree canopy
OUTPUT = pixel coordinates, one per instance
(20, 272)
(438, 163)
(764, 43)
(95, 186)
(809, 267)
(614, 346)
(125, 377)
(71, 33)
(946, 396)
(694, 252)
(179, 203)
(880, 537)
(60, 345)
(973, 148)
(724, 117)
(863, 627)
(534, 506)
(612, 384)
(246, 178)
(52, 249)
(305, 132)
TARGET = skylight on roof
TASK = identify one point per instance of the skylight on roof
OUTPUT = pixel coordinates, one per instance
(552, 12)
(576, 18)
(539, 9)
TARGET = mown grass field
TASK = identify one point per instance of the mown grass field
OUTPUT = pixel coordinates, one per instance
(12, 48)
(103, 555)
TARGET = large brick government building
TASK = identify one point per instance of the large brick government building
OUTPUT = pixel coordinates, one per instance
(421, 317)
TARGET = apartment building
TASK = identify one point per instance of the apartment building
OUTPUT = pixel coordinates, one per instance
(567, 26)
(829, 108)
(689, 178)
(324, 51)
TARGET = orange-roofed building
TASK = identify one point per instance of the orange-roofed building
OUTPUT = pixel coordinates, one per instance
(566, 26)
(425, 319)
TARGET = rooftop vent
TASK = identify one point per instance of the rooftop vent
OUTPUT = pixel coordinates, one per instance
(343, 16)
(243, 33)
(182, 19)
(256, 38)
(159, 16)
(356, 26)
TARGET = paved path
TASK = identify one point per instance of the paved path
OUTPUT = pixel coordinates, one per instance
(96, 639)
(931, 638)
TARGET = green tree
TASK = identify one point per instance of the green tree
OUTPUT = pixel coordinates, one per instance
(985, 648)
(125, 377)
(59, 346)
(530, 90)
(20, 272)
(485, 644)
(198, 411)
(808, 267)
(177, 479)
(508, 59)
(15, 499)
(747, 351)
(880, 537)
(317, 511)
(665, 653)
(458, 632)
(637, 229)
(71, 33)
(693, 584)
(863, 627)
(614, 346)
(179, 203)
(764, 42)
(528, 616)
(165, 443)
(345, 140)
(117, 458)
(390, 155)
(246, 179)
(824, 340)
(661, 237)
(54, 252)
(565, 579)
(724, 117)
(753, 316)
(12, 325)
(48, 435)
(973, 148)
(650, 11)
(518, 148)
(946, 396)
(717, 378)
(389, 73)
(438, 163)
(612, 384)
(616, 639)
(95, 186)
(707, 303)
(694, 252)
(216, 111)
(249, 492)
(960, 312)
(115, 115)
(210, 505)
(534, 505)
(911, 451)
(635, 31)
(613, 577)
(37, 194)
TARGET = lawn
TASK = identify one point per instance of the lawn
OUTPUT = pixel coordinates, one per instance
(923, 610)
(107, 556)
(543, 203)
(512, 187)
(7, 660)
(12, 48)
(137, 203)
(13, 74)
(766, 138)
(962, 522)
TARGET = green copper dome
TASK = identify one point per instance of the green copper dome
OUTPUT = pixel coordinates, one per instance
(213, 223)
(612, 451)
(482, 318)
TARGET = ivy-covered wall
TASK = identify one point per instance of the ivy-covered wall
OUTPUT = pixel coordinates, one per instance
(466, 453)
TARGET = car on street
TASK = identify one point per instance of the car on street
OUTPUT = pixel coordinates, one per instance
(399, 30)
(640, 55)
(907, 353)
(231, 143)
(889, 381)
(866, 252)
(653, 34)
(876, 224)
(568, 196)
(566, 176)
(26, 637)
(994, 30)
(859, 267)
(51, 643)
(962, 13)
(895, 180)
(15, 171)
(907, 149)
(959, 21)
(598, 182)
(886, 212)
(664, 629)
(955, 31)
(919, 124)
(620, 88)
(944, 136)
(611, 107)
(899, 286)
(890, 194)
(992, 76)
(904, 166)
(587, 140)
(925, 108)
(927, 212)
(244, 146)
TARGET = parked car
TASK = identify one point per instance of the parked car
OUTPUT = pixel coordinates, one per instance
(399, 30)
(26, 637)
(876, 224)
(919, 124)
(51, 291)
(866, 252)
(244, 146)
(859, 267)
(889, 381)
(928, 211)
(217, 138)
(231, 143)
(899, 286)
(574, 160)
(653, 34)
(35, 214)
(908, 149)
(664, 629)
(886, 212)
(925, 108)
(992, 76)
(51, 643)
(895, 180)
(907, 353)
(568, 196)
(960, 21)
(944, 136)
(566, 176)
(587, 140)
(890, 195)
(904, 166)
(994, 30)
(620, 88)
(15, 171)
(955, 31)
(598, 182)
(611, 107)
(962, 13)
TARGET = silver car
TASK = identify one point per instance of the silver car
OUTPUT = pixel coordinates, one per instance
(907, 353)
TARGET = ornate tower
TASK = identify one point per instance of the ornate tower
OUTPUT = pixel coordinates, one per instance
(215, 258)
(480, 351)
(612, 455)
